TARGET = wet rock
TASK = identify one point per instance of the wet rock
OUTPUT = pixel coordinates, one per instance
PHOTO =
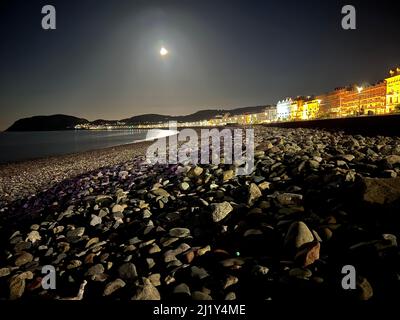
(58, 229)
(347, 157)
(264, 205)
(168, 241)
(95, 220)
(326, 233)
(260, 270)
(203, 250)
(146, 291)
(392, 159)
(169, 279)
(341, 163)
(154, 249)
(182, 288)
(232, 262)
(220, 210)
(364, 288)
(103, 199)
(390, 240)
(91, 242)
(33, 236)
(23, 258)
(301, 273)
(259, 153)
(4, 272)
(63, 247)
(127, 271)
(95, 270)
(309, 253)
(74, 264)
(35, 227)
(195, 171)
(113, 286)
(22, 246)
(313, 164)
(117, 208)
(169, 256)
(228, 175)
(189, 256)
(289, 198)
(75, 233)
(381, 190)
(230, 281)
(184, 186)
(318, 159)
(160, 192)
(118, 217)
(298, 234)
(155, 279)
(198, 295)
(199, 273)
(264, 185)
(230, 296)
(150, 263)
(252, 232)
(103, 212)
(254, 194)
(258, 179)
(123, 174)
(17, 284)
(389, 174)
(179, 232)
(146, 214)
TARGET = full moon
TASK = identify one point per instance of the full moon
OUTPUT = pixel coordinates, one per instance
(163, 51)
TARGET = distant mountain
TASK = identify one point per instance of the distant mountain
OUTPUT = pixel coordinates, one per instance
(147, 118)
(243, 110)
(100, 122)
(197, 116)
(200, 115)
(46, 123)
(64, 122)
(156, 118)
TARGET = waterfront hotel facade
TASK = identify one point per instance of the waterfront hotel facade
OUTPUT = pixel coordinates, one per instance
(380, 98)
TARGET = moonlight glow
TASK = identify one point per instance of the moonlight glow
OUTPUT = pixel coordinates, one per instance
(163, 51)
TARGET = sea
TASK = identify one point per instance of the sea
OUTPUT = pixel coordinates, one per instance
(19, 146)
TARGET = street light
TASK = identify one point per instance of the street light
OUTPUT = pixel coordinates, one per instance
(359, 89)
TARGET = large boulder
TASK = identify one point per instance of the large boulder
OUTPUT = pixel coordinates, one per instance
(381, 190)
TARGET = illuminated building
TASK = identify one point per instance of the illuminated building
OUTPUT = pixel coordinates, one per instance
(310, 109)
(295, 109)
(248, 118)
(393, 90)
(283, 109)
(331, 103)
(365, 100)
(270, 114)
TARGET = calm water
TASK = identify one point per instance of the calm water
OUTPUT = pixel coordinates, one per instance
(16, 146)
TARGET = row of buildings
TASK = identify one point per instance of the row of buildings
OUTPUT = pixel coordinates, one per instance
(380, 98)
(377, 99)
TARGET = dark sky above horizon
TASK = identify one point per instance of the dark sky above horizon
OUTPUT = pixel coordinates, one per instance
(103, 59)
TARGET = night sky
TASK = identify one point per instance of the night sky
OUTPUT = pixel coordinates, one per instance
(103, 59)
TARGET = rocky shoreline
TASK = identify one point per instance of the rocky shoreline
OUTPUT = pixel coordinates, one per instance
(316, 201)
(26, 178)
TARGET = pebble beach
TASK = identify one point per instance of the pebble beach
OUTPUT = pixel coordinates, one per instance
(26, 178)
(115, 227)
